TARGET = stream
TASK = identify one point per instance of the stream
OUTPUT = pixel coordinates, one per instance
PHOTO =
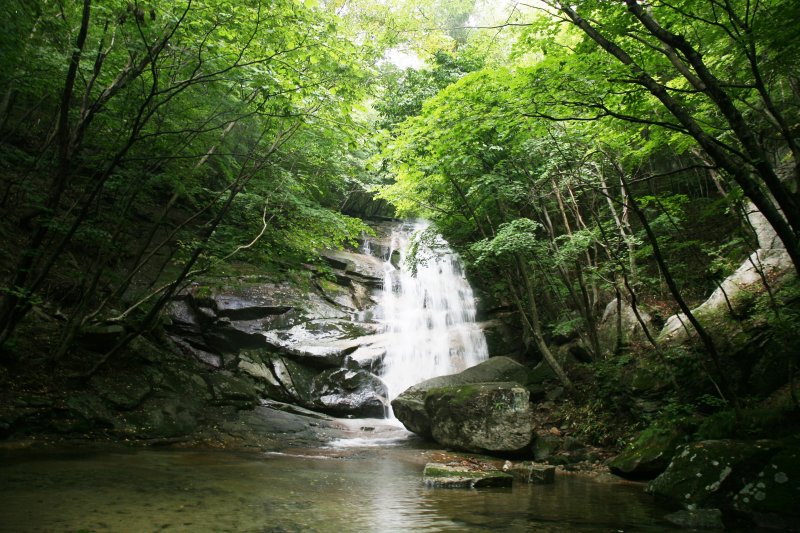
(370, 483)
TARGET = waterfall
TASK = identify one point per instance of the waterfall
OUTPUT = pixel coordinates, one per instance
(429, 316)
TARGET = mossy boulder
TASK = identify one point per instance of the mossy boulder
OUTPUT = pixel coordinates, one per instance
(697, 519)
(83, 412)
(481, 417)
(648, 455)
(409, 406)
(708, 474)
(619, 326)
(776, 487)
(546, 445)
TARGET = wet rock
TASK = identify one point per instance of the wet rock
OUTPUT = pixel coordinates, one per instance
(319, 356)
(535, 474)
(370, 354)
(182, 382)
(501, 336)
(257, 370)
(296, 379)
(347, 392)
(647, 456)
(364, 268)
(461, 476)
(204, 356)
(181, 313)
(710, 473)
(243, 308)
(776, 487)
(276, 425)
(282, 378)
(481, 417)
(409, 406)
(321, 343)
(232, 336)
(697, 518)
(345, 293)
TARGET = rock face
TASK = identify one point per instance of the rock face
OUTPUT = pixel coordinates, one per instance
(755, 478)
(315, 347)
(484, 408)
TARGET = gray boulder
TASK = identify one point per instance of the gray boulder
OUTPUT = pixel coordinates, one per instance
(619, 326)
(409, 406)
(481, 417)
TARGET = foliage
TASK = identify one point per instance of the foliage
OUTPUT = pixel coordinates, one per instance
(155, 141)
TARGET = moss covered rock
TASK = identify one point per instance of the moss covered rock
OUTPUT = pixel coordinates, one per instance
(710, 473)
(409, 407)
(648, 455)
(776, 487)
(464, 476)
(481, 417)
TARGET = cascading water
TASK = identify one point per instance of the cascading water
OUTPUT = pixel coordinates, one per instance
(429, 315)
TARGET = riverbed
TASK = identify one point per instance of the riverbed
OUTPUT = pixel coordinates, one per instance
(370, 482)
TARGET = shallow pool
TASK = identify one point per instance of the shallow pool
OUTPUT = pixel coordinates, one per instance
(356, 487)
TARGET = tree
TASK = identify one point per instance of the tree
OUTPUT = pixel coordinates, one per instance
(172, 120)
(728, 106)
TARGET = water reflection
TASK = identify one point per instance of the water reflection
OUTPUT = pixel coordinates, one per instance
(322, 490)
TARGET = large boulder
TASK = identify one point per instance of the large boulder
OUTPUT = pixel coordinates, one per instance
(502, 335)
(619, 326)
(708, 473)
(775, 488)
(481, 417)
(409, 406)
(756, 479)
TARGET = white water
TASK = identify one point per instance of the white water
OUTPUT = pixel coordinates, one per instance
(429, 317)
